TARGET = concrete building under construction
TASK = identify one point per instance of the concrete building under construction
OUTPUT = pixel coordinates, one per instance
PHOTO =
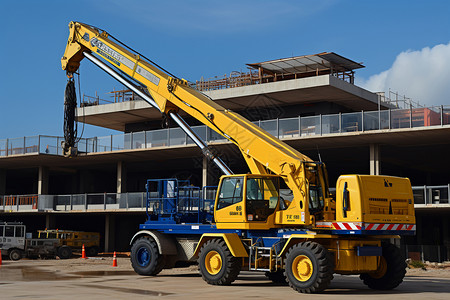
(309, 102)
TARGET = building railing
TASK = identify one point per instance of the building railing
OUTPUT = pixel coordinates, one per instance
(423, 195)
(252, 77)
(74, 202)
(429, 195)
(298, 127)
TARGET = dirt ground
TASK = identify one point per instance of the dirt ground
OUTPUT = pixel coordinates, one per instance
(96, 279)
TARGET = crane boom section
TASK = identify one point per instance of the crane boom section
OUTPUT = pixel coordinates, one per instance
(263, 152)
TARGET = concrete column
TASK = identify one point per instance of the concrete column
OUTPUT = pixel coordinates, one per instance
(110, 228)
(374, 159)
(2, 182)
(50, 221)
(446, 236)
(205, 171)
(121, 177)
(43, 181)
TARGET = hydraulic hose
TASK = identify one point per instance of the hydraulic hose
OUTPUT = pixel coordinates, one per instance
(70, 125)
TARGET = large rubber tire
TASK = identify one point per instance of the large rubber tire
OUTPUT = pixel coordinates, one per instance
(216, 263)
(92, 251)
(65, 252)
(308, 267)
(391, 271)
(277, 277)
(145, 257)
(15, 254)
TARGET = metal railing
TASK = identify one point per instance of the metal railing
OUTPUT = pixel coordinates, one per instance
(298, 127)
(429, 195)
(423, 195)
(74, 202)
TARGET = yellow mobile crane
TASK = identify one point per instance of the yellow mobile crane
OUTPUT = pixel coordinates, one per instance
(302, 242)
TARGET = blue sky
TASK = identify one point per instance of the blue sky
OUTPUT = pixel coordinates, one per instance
(393, 39)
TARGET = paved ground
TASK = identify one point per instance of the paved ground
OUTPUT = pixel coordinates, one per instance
(97, 279)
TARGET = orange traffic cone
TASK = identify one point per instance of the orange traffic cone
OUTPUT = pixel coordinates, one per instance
(83, 252)
(114, 260)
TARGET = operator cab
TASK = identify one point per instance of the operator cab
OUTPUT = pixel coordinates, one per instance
(247, 199)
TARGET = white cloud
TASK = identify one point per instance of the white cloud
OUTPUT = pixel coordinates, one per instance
(421, 75)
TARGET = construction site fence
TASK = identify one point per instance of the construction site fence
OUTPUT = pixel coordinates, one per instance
(283, 128)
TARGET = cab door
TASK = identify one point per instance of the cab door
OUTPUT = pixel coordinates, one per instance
(262, 197)
(229, 204)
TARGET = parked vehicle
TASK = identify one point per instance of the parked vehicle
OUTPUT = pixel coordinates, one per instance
(74, 240)
(16, 243)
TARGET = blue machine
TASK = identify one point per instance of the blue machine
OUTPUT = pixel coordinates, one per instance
(173, 201)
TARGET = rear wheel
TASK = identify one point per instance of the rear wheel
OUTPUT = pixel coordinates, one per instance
(391, 270)
(92, 251)
(309, 268)
(15, 254)
(65, 252)
(216, 263)
(145, 257)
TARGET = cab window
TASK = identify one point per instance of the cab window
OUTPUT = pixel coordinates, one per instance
(230, 192)
(261, 198)
(315, 197)
(20, 232)
(9, 231)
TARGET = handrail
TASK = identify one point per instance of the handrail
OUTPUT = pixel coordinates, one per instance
(283, 128)
(436, 195)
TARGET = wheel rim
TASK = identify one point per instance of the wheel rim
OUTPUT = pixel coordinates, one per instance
(213, 262)
(143, 256)
(15, 255)
(302, 268)
(382, 269)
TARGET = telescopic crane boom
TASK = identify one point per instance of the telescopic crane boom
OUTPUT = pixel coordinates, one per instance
(263, 153)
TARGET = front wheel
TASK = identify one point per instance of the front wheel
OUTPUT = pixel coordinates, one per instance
(216, 263)
(15, 254)
(391, 270)
(145, 257)
(309, 268)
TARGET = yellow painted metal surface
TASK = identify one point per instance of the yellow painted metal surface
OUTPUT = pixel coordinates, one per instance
(302, 268)
(298, 238)
(237, 215)
(346, 260)
(213, 262)
(375, 199)
(232, 240)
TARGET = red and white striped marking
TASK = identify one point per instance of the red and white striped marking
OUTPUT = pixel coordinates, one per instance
(402, 227)
(340, 225)
(347, 226)
(365, 226)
